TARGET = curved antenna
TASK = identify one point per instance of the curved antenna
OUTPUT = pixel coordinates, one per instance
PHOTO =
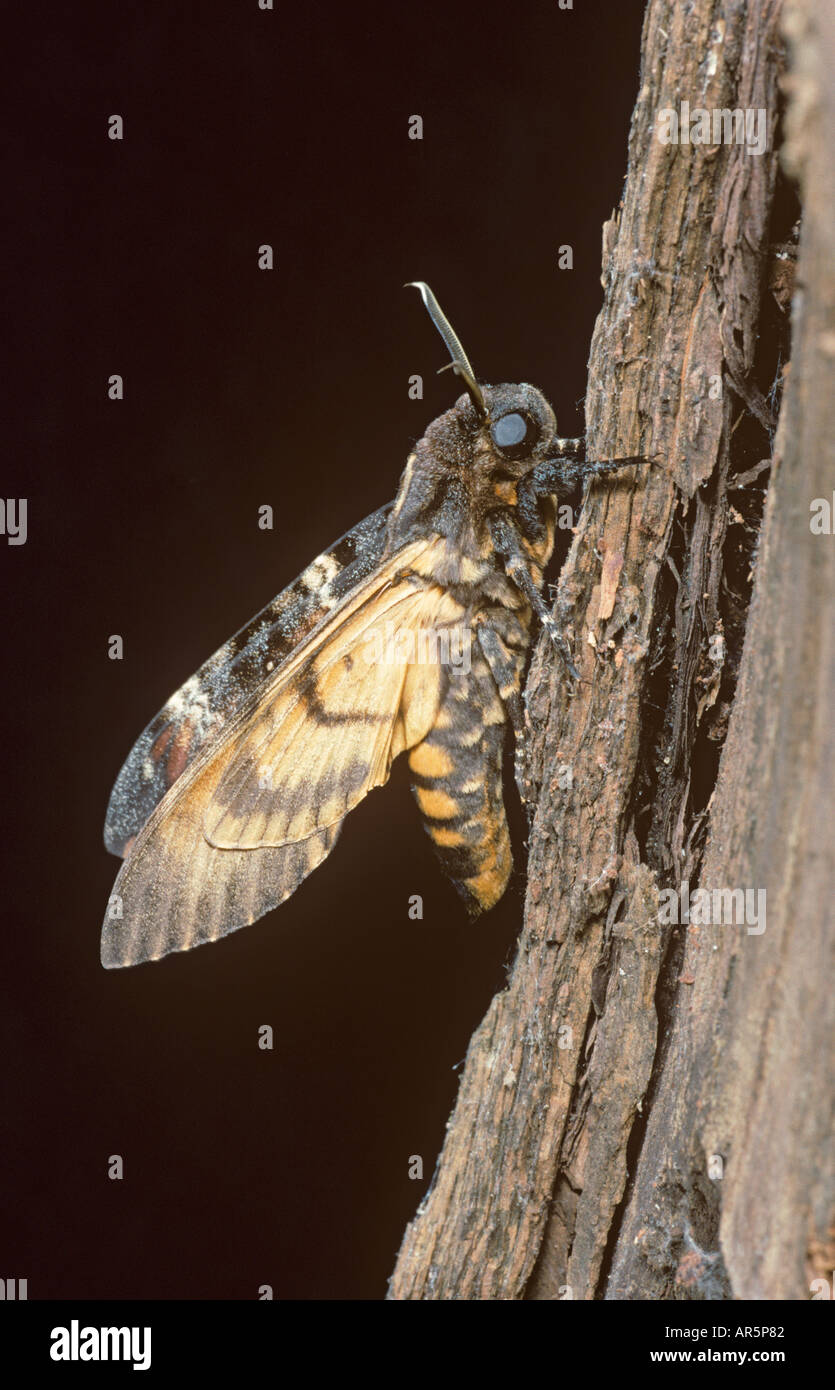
(460, 363)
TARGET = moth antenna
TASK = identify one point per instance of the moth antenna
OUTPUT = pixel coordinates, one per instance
(460, 363)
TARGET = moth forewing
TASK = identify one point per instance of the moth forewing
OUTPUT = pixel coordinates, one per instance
(311, 753)
(177, 888)
(203, 706)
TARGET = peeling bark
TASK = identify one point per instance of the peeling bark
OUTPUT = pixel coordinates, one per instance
(575, 1159)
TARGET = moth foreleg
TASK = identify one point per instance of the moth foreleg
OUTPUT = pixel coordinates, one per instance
(559, 475)
(509, 546)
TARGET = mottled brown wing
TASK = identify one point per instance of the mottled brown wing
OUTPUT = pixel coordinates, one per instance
(197, 713)
(217, 852)
(331, 734)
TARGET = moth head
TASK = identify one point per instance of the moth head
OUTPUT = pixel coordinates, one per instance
(519, 429)
(472, 458)
(512, 436)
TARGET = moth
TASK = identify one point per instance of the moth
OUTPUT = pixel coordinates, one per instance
(238, 788)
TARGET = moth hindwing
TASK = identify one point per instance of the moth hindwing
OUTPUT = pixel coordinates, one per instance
(408, 636)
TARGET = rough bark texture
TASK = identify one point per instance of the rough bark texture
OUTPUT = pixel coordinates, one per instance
(749, 1073)
(576, 1160)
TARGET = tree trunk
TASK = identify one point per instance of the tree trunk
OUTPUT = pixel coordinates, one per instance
(644, 1111)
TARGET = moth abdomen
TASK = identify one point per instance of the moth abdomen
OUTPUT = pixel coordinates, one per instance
(457, 783)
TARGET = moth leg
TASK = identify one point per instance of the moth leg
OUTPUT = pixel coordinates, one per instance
(507, 674)
(558, 475)
(516, 563)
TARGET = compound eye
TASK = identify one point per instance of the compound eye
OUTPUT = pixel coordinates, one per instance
(514, 434)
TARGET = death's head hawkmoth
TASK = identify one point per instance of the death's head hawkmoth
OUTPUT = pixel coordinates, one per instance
(409, 635)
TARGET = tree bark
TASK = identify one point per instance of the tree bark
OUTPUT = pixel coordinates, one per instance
(645, 1108)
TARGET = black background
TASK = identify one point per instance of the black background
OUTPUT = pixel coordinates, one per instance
(245, 387)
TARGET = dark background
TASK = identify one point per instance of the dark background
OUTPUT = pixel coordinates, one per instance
(245, 1167)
